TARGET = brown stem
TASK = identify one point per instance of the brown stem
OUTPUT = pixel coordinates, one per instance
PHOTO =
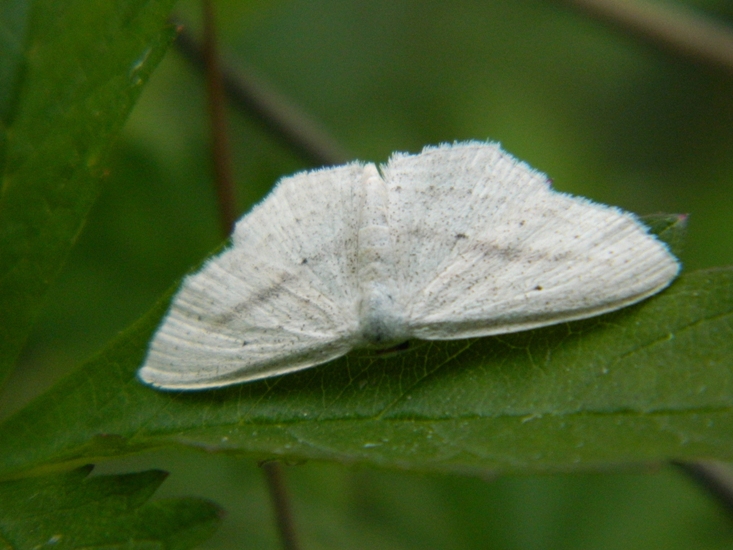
(684, 31)
(220, 152)
(253, 95)
(281, 504)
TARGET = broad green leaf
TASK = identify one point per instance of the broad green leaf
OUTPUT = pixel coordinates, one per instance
(670, 228)
(650, 382)
(72, 510)
(71, 72)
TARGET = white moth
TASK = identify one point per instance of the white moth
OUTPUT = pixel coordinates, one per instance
(456, 242)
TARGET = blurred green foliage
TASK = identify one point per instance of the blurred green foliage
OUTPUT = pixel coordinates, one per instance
(604, 115)
(71, 510)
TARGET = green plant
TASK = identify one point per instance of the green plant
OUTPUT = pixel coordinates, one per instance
(639, 386)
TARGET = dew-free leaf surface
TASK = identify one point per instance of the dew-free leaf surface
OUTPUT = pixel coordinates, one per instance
(71, 510)
(647, 383)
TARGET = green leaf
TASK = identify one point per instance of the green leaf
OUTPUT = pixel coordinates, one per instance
(72, 510)
(650, 382)
(670, 228)
(71, 71)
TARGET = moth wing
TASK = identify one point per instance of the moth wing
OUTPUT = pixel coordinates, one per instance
(487, 247)
(280, 298)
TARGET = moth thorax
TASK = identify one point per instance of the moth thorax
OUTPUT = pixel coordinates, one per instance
(381, 317)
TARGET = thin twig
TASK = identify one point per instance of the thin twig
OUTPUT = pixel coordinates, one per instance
(220, 155)
(274, 111)
(715, 477)
(281, 504)
(682, 30)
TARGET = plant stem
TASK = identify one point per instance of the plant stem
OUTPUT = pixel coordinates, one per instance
(714, 476)
(679, 29)
(224, 181)
(276, 113)
(281, 504)
(220, 151)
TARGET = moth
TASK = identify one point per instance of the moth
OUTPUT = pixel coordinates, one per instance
(458, 241)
